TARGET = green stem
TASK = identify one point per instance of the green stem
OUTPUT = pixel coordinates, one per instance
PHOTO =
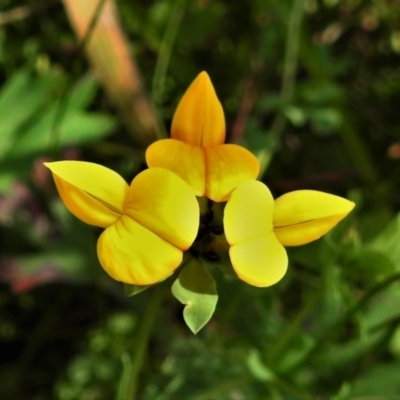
(292, 51)
(91, 26)
(345, 318)
(128, 386)
(165, 50)
(288, 80)
(175, 383)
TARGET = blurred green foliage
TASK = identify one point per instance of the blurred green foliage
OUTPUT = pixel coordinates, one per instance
(330, 328)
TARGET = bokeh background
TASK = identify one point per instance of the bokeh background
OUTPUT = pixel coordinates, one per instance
(312, 87)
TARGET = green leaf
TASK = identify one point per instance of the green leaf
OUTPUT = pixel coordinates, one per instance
(31, 92)
(383, 309)
(196, 288)
(257, 367)
(132, 290)
(338, 356)
(295, 115)
(29, 129)
(325, 119)
(381, 381)
(83, 93)
(387, 242)
(77, 128)
(372, 262)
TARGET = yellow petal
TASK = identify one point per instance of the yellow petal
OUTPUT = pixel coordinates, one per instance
(227, 166)
(248, 213)
(259, 262)
(183, 159)
(213, 171)
(305, 215)
(199, 118)
(163, 203)
(93, 193)
(130, 253)
(83, 206)
(297, 235)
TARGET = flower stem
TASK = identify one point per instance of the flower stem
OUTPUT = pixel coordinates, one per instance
(128, 385)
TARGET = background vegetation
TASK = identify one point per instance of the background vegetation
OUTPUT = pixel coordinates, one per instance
(310, 86)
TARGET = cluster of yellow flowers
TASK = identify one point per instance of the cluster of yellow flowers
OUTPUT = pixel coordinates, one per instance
(151, 223)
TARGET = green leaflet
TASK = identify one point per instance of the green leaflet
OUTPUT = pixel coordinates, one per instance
(132, 290)
(196, 288)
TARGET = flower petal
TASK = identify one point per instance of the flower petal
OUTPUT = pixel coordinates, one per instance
(227, 166)
(248, 213)
(260, 262)
(83, 206)
(183, 159)
(130, 253)
(306, 205)
(305, 215)
(199, 118)
(163, 203)
(297, 235)
(93, 193)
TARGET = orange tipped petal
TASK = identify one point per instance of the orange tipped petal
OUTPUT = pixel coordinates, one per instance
(93, 193)
(227, 166)
(163, 203)
(185, 160)
(130, 253)
(260, 262)
(213, 171)
(199, 118)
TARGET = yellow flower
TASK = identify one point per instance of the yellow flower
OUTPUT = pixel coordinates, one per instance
(257, 228)
(148, 225)
(196, 151)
